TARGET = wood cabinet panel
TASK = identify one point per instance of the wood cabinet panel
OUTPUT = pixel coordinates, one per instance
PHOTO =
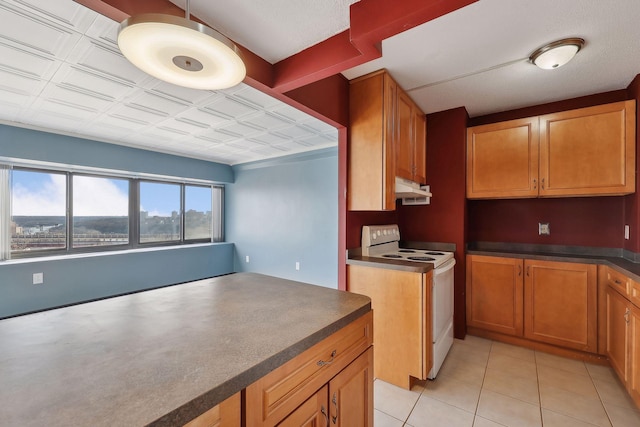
(401, 304)
(634, 355)
(225, 414)
(371, 156)
(502, 159)
(560, 304)
(588, 151)
(634, 292)
(420, 149)
(404, 144)
(312, 413)
(351, 394)
(494, 294)
(617, 331)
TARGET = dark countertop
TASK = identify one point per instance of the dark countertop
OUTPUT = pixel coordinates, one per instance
(390, 264)
(563, 254)
(160, 357)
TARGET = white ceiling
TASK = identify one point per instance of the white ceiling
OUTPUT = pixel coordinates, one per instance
(60, 70)
(477, 56)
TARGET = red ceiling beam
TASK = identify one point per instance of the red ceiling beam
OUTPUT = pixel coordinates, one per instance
(371, 22)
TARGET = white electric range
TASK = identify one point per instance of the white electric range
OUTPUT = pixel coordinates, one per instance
(383, 241)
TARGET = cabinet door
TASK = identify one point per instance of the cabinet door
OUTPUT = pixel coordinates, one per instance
(225, 414)
(494, 294)
(420, 146)
(404, 142)
(617, 330)
(372, 134)
(634, 353)
(589, 151)
(560, 304)
(502, 160)
(351, 394)
(312, 413)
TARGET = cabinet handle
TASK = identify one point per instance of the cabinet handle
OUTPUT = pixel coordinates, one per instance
(535, 184)
(323, 411)
(519, 270)
(626, 316)
(330, 361)
(334, 400)
(528, 268)
(542, 183)
(617, 282)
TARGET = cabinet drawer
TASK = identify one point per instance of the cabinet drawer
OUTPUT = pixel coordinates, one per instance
(273, 397)
(618, 281)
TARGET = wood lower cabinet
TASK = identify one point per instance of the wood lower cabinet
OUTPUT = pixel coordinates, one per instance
(545, 301)
(495, 293)
(401, 303)
(560, 304)
(634, 354)
(617, 333)
(332, 378)
(225, 414)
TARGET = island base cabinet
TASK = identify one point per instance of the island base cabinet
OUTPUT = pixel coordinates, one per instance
(225, 414)
(331, 380)
(634, 354)
(617, 333)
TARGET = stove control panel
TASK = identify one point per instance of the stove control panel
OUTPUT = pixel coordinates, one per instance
(373, 235)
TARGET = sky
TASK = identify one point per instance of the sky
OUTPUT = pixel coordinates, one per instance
(37, 193)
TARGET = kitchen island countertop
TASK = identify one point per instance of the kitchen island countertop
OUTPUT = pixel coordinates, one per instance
(160, 357)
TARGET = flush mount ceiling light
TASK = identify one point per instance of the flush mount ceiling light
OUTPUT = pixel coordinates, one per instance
(180, 51)
(556, 54)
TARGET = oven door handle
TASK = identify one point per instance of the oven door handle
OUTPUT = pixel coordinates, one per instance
(444, 267)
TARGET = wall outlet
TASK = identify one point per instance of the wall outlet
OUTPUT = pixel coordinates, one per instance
(38, 278)
(246, 259)
(297, 265)
(543, 229)
(626, 232)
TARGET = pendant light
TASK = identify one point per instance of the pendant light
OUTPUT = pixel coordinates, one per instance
(556, 54)
(180, 51)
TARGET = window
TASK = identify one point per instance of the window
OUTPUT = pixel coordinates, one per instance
(38, 211)
(197, 213)
(49, 212)
(159, 212)
(100, 211)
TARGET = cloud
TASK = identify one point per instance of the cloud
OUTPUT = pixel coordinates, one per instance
(92, 197)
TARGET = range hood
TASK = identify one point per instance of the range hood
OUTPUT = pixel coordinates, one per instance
(412, 193)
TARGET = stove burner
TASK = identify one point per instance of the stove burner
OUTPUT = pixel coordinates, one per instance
(391, 256)
(433, 253)
(420, 258)
(408, 251)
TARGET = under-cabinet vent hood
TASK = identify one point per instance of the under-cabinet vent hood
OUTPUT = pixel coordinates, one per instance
(412, 193)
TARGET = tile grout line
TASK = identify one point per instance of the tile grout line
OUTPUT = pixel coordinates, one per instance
(535, 359)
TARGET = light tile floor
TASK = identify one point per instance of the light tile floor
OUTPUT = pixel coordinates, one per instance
(485, 383)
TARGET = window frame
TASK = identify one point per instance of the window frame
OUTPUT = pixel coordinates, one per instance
(133, 211)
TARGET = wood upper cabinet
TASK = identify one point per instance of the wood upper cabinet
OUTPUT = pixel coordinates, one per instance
(494, 294)
(387, 137)
(411, 142)
(588, 151)
(583, 152)
(502, 160)
(401, 303)
(560, 304)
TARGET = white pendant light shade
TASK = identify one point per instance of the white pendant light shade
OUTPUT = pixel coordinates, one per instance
(180, 51)
(556, 54)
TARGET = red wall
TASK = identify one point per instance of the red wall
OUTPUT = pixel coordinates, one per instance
(444, 219)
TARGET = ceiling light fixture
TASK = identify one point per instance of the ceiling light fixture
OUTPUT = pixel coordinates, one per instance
(181, 51)
(556, 54)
